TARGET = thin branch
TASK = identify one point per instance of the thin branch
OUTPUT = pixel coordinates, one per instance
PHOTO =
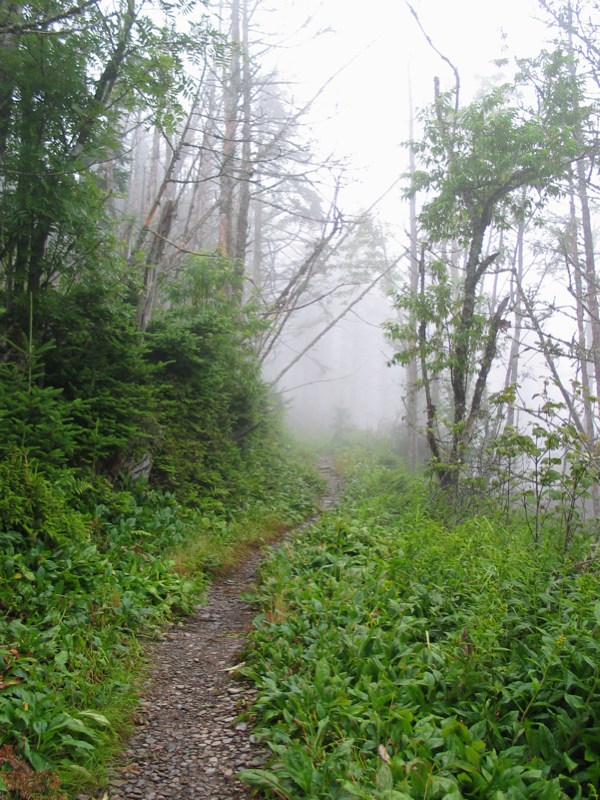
(335, 321)
(318, 380)
(440, 54)
(316, 299)
(546, 351)
(35, 27)
(180, 249)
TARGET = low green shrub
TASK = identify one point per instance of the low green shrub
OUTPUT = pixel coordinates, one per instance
(86, 573)
(397, 658)
(74, 592)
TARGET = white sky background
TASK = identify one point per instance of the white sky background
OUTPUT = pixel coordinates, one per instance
(362, 118)
(362, 115)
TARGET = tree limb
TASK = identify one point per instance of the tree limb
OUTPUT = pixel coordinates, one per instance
(486, 364)
(35, 27)
(334, 322)
(548, 357)
(440, 54)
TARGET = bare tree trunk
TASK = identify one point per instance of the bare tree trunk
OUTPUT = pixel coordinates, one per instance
(151, 184)
(572, 255)
(232, 90)
(176, 153)
(246, 166)
(257, 245)
(512, 373)
(588, 413)
(430, 401)
(199, 200)
(135, 187)
(152, 266)
(412, 372)
(8, 41)
(168, 208)
(591, 289)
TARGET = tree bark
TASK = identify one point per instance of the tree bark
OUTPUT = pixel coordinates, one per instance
(231, 108)
(475, 269)
(572, 256)
(151, 274)
(512, 373)
(412, 375)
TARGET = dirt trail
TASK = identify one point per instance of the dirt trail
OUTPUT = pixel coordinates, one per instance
(189, 743)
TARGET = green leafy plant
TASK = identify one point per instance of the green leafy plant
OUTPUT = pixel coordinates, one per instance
(399, 658)
(549, 473)
(82, 581)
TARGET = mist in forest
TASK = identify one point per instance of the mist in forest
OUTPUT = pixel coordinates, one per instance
(290, 162)
(344, 381)
(380, 70)
(260, 168)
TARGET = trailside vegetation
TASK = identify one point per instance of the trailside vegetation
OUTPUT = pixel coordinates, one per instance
(401, 658)
(134, 458)
(86, 573)
(131, 467)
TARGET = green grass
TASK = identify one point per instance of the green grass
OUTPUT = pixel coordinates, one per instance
(396, 658)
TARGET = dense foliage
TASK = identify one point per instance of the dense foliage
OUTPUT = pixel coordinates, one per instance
(399, 658)
(130, 466)
(80, 586)
(69, 73)
(133, 458)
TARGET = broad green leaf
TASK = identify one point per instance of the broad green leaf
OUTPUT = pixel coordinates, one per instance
(264, 779)
(385, 779)
(100, 719)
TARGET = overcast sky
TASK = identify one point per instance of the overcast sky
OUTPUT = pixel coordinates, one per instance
(363, 113)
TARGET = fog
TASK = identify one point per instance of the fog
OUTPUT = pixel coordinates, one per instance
(344, 376)
(366, 71)
(291, 163)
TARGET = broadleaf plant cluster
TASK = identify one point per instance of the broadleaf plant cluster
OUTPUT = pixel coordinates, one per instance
(400, 658)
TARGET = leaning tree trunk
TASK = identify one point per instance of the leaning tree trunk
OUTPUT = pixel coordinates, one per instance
(412, 370)
(232, 91)
(152, 265)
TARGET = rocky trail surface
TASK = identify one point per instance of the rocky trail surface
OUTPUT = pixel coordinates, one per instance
(189, 742)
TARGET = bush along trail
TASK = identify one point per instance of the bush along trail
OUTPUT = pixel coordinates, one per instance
(399, 658)
(84, 593)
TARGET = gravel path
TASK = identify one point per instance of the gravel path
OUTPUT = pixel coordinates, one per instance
(190, 743)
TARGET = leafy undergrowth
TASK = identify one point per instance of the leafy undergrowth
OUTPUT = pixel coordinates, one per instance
(397, 659)
(78, 591)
